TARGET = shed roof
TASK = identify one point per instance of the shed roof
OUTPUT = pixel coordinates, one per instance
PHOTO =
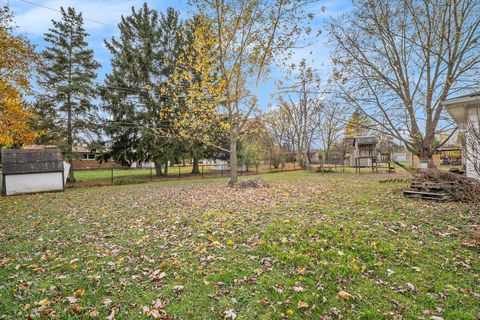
(18, 161)
(365, 140)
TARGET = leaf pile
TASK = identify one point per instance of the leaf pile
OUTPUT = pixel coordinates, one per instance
(252, 183)
(459, 187)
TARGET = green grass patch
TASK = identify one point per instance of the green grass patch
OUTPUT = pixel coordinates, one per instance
(309, 246)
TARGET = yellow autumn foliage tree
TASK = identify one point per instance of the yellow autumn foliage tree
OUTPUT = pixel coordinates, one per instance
(201, 87)
(16, 63)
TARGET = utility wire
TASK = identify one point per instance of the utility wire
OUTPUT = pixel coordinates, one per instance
(56, 10)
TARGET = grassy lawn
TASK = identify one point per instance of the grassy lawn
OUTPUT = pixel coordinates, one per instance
(337, 245)
(125, 176)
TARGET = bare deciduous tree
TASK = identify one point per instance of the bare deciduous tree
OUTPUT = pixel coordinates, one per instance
(300, 107)
(397, 60)
(332, 123)
(251, 34)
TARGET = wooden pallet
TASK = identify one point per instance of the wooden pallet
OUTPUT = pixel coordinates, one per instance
(427, 190)
(426, 195)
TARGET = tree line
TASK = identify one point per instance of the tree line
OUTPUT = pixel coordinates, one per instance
(189, 87)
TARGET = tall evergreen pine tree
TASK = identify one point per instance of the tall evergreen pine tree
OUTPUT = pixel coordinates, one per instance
(68, 78)
(138, 91)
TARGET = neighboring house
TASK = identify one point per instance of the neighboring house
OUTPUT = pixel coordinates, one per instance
(144, 164)
(402, 157)
(316, 156)
(465, 111)
(87, 159)
(217, 164)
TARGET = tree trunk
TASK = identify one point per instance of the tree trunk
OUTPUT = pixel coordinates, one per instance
(158, 168)
(71, 176)
(308, 159)
(327, 153)
(195, 168)
(233, 161)
(165, 171)
(427, 157)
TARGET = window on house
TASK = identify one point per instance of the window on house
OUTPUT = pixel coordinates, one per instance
(88, 156)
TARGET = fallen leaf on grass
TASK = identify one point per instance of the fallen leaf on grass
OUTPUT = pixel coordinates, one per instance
(107, 302)
(410, 287)
(344, 295)
(43, 302)
(300, 270)
(177, 289)
(79, 292)
(75, 308)
(111, 316)
(157, 275)
(302, 304)
(158, 304)
(230, 314)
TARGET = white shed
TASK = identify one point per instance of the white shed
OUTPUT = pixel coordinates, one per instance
(32, 171)
(465, 111)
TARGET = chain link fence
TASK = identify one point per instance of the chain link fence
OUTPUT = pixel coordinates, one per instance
(120, 176)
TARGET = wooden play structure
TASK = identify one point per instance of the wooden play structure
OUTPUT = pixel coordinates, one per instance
(366, 155)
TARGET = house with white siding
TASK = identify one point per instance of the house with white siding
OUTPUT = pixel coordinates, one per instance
(465, 111)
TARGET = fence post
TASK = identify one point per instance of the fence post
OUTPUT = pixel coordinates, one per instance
(293, 165)
(202, 170)
(112, 176)
(222, 170)
(241, 169)
(178, 172)
(151, 173)
(270, 163)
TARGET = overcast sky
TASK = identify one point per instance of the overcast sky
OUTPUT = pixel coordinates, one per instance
(33, 19)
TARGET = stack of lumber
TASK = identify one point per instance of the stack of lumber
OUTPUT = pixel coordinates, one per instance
(428, 190)
(438, 185)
